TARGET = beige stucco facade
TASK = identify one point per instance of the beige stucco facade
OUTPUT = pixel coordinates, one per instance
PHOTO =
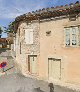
(53, 46)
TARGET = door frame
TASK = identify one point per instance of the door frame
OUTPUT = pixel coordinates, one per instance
(57, 61)
(29, 61)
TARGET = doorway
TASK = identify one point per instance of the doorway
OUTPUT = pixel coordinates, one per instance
(32, 64)
(54, 68)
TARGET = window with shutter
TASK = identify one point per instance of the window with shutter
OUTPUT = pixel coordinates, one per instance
(29, 36)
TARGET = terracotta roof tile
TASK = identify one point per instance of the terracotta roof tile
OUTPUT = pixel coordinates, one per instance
(51, 12)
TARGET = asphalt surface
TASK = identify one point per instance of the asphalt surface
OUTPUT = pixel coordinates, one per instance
(18, 83)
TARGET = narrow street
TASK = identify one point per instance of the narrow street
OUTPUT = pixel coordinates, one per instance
(17, 83)
(5, 55)
(12, 81)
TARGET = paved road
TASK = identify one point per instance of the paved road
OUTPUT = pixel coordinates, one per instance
(5, 55)
(16, 82)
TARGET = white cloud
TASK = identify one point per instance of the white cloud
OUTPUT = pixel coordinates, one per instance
(14, 8)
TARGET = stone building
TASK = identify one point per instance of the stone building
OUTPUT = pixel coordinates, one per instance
(48, 43)
(27, 47)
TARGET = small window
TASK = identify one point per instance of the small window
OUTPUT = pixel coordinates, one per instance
(20, 47)
(71, 36)
(19, 31)
(29, 36)
(67, 37)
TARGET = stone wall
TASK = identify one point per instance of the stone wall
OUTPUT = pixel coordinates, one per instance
(23, 49)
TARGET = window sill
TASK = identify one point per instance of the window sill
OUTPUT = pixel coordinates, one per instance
(71, 46)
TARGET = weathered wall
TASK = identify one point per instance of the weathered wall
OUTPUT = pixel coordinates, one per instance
(26, 49)
(53, 46)
(49, 47)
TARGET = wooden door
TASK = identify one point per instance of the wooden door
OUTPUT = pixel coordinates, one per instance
(33, 64)
(54, 68)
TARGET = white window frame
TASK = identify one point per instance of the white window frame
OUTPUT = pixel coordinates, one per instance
(67, 29)
(77, 38)
(29, 36)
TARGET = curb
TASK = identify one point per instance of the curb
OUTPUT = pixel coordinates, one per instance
(62, 84)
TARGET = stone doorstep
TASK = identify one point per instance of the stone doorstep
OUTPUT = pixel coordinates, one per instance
(28, 74)
(55, 82)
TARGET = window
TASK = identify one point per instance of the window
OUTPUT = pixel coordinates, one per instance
(67, 37)
(71, 36)
(20, 47)
(29, 36)
(74, 36)
(19, 31)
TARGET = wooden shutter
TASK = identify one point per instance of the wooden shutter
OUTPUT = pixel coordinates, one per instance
(31, 36)
(27, 36)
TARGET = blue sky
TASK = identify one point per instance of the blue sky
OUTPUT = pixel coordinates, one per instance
(9, 9)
